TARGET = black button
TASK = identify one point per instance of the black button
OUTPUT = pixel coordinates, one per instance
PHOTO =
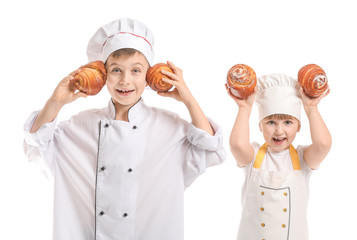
(130, 170)
(106, 125)
(102, 168)
(101, 213)
(125, 215)
(135, 127)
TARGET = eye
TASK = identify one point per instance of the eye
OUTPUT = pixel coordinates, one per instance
(288, 122)
(271, 122)
(136, 70)
(115, 70)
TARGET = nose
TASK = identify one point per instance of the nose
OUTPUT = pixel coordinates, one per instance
(124, 79)
(279, 129)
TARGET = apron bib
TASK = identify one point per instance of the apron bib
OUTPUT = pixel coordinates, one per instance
(275, 203)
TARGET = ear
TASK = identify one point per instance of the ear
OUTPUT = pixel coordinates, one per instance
(260, 126)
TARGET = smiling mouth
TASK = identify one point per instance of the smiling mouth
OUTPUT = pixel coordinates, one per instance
(121, 91)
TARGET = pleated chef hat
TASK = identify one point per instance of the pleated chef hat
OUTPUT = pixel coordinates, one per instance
(278, 94)
(121, 33)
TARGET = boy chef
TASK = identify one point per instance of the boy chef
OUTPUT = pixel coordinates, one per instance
(121, 171)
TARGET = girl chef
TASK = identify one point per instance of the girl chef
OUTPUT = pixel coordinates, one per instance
(276, 188)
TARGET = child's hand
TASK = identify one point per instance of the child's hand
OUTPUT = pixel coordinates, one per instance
(181, 92)
(246, 102)
(311, 102)
(65, 91)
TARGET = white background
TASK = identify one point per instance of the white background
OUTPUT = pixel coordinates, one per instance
(43, 41)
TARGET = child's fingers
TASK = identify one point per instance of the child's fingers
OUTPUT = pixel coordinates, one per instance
(174, 68)
(255, 91)
(74, 72)
(67, 81)
(163, 94)
(327, 92)
(171, 65)
(172, 94)
(323, 95)
(229, 92)
(170, 81)
(171, 75)
(79, 94)
(301, 91)
(167, 94)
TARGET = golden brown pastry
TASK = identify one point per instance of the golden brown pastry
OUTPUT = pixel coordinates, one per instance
(313, 80)
(241, 80)
(91, 78)
(154, 77)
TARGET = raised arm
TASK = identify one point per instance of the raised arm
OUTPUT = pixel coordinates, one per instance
(239, 140)
(320, 135)
(182, 93)
(64, 93)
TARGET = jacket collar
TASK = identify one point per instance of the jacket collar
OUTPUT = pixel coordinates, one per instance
(136, 113)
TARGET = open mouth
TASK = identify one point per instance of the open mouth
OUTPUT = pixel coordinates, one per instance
(279, 141)
(124, 92)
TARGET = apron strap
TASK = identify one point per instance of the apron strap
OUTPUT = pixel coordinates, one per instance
(293, 155)
(260, 156)
(294, 158)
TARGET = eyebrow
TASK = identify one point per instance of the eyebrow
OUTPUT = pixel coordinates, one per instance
(112, 64)
(137, 63)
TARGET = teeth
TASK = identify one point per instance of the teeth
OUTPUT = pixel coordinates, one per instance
(278, 139)
(124, 91)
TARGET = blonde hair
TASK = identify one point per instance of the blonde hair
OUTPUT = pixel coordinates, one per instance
(125, 52)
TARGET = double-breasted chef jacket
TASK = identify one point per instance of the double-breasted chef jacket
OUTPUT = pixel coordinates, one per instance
(275, 202)
(122, 180)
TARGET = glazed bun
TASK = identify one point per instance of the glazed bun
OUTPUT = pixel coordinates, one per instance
(154, 77)
(313, 80)
(241, 80)
(91, 78)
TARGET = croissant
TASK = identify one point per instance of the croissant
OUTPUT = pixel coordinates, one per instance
(91, 78)
(313, 80)
(241, 80)
(154, 77)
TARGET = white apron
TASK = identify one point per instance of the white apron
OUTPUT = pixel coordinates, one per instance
(275, 203)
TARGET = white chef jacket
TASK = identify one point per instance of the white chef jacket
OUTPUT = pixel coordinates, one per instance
(122, 180)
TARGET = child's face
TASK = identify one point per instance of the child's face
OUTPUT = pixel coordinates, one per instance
(279, 133)
(126, 78)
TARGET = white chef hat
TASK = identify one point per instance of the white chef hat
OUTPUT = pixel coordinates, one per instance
(121, 33)
(278, 94)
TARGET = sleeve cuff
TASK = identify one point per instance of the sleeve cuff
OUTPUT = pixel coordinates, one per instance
(43, 135)
(203, 139)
